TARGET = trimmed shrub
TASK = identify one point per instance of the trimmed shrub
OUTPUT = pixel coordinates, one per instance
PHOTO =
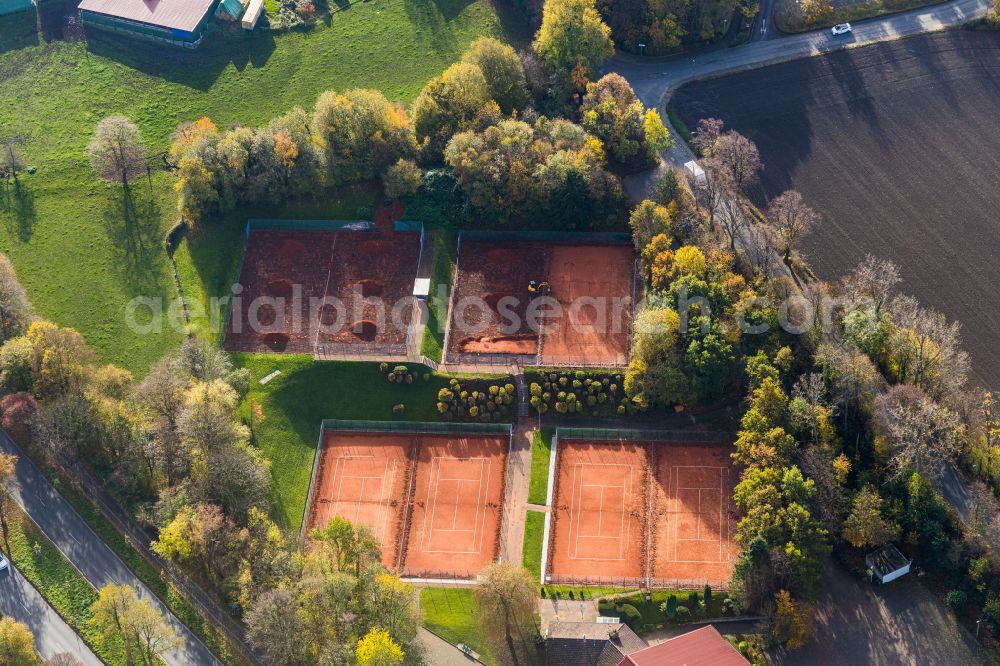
(958, 600)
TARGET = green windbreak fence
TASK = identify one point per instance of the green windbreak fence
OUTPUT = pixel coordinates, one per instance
(640, 435)
(254, 224)
(418, 427)
(559, 237)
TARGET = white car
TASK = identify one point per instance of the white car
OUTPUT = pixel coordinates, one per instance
(841, 29)
(3, 563)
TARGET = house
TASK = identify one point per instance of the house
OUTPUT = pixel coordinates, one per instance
(701, 647)
(176, 22)
(887, 564)
(589, 644)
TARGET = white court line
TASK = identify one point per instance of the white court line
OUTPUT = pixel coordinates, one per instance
(579, 483)
(478, 531)
(676, 511)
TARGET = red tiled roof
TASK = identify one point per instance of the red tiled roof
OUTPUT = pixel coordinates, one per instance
(701, 647)
(174, 14)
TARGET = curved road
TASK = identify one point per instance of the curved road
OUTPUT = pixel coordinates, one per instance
(60, 522)
(654, 80)
(20, 600)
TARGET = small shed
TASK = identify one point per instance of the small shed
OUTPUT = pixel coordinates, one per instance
(252, 14)
(695, 172)
(422, 288)
(887, 564)
(230, 9)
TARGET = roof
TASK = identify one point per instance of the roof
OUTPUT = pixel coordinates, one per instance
(589, 644)
(886, 560)
(174, 14)
(701, 647)
(232, 7)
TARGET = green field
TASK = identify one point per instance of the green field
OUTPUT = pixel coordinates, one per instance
(534, 533)
(451, 614)
(541, 448)
(79, 255)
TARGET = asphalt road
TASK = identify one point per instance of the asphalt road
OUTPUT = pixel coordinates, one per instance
(91, 556)
(21, 601)
(655, 79)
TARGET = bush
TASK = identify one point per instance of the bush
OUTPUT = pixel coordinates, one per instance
(682, 614)
(399, 409)
(630, 615)
(670, 607)
(958, 600)
(708, 595)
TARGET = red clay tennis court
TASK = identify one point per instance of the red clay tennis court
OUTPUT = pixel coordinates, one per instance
(598, 510)
(593, 284)
(362, 478)
(317, 291)
(692, 495)
(457, 506)
(657, 513)
(435, 502)
(492, 307)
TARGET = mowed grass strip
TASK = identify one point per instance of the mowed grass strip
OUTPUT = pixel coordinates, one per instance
(66, 590)
(442, 277)
(534, 534)
(451, 613)
(541, 449)
(80, 256)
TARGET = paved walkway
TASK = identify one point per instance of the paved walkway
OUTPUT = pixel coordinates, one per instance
(566, 610)
(439, 652)
(516, 493)
(20, 600)
(91, 556)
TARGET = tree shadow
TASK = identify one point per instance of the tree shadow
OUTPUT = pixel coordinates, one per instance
(199, 68)
(132, 222)
(17, 203)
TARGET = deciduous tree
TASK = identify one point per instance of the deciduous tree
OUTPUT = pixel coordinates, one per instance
(792, 219)
(376, 648)
(865, 525)
(923, 436)
(117, 152)
(503, 71)
(572, 35)
(505, 596)
(17, 645)
(15, 309)
(119, 612)
(649, 219)
(448, 104)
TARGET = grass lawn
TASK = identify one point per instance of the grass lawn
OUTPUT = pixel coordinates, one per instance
(81, 258)
(59, 582)
(177, 604)
(541, 447)
(451, 614)
(442, 276)
(305, 393)
(534, 533)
